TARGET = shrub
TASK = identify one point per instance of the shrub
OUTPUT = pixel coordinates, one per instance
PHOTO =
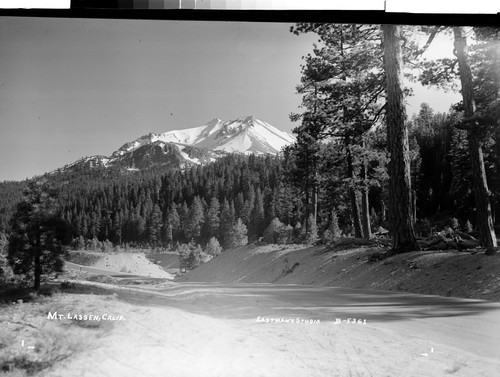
(285, 235)
(189, 256)
(271, 233)
(68, 285)
(106, 246)
(213, 247)
(47, 290)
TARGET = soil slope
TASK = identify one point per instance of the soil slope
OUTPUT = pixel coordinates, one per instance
(445, 273)
(131, 263)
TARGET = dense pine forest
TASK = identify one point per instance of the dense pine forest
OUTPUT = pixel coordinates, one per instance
(162, 208)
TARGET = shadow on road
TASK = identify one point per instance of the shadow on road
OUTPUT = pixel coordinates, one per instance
(248, 301)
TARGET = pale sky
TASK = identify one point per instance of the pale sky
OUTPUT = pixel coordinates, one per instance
(71, 88)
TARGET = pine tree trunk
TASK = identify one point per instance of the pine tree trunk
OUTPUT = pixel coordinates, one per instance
(365, 214)
(308, 207)
(356, 217)
(315, 203)
(497, 163)
(365, 204)
(414, 206)
(481, 192)
(400, 202)
(383, 214)
(497, 129)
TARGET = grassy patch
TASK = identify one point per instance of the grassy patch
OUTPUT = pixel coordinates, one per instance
(40, 350)
(31, 343)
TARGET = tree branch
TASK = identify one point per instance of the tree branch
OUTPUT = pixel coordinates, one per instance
(429, 40)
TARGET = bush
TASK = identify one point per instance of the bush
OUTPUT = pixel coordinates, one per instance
(68, 285)
(189, 256)
(271, 234)
(285, 235)
(106, 246)
(47, 290)
(93, 244)
(213, 247)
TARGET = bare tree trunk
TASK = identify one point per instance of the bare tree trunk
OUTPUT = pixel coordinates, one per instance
(481, 192)
(365, 204)
(315, 202)
(414, 206)
(356, 218)
(400, 202)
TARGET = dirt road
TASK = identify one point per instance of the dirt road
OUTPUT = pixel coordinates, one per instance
(287, 330)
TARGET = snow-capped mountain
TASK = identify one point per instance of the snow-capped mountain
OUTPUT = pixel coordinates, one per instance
(182, 148)
(243, 135)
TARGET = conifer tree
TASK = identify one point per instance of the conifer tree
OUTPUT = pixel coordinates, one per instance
(342, 87)
(172, 224)
(400, 191)
(212, 221)
(154, 225)
(481, 191)
(213, 247)
(238, 236)
(479, 83)
(195, 220)
(227, 222)
(258, 215)
(38, 236)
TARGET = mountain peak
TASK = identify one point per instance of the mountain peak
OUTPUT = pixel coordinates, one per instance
(197, 145)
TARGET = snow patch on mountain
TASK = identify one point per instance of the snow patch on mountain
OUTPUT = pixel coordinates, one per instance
(193, 146)
(244, 135)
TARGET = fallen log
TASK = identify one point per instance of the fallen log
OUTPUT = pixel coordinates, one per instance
(438, 242)
(353, 241)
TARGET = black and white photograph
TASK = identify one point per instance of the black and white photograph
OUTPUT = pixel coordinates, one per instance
(278, 195)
